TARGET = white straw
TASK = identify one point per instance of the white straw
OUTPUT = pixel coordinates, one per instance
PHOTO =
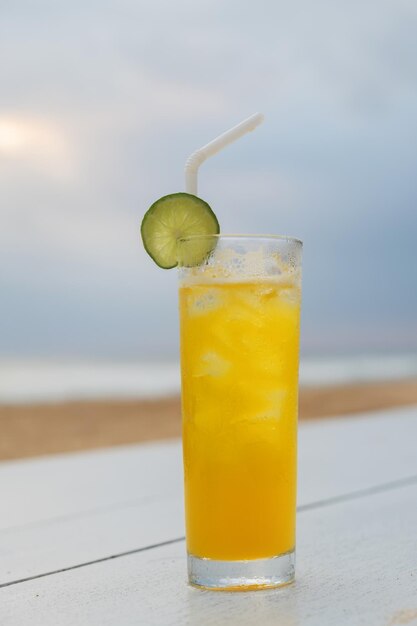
(199, 156)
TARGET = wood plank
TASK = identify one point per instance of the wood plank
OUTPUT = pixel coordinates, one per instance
(356, 452)
(356, 566)
(78, 483)
(27, 552)
(335, 459)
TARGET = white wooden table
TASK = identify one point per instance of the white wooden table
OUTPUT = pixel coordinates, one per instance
(96, 538)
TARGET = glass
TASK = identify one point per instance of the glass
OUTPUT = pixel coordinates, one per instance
(239, 326)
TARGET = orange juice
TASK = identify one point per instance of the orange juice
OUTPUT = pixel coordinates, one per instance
(239, 361)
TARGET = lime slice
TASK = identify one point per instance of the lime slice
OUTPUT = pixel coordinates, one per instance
(175, 216)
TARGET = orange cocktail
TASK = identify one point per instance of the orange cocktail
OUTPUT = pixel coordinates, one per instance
(239, 359)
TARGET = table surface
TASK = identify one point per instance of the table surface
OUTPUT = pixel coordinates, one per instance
(97, 538)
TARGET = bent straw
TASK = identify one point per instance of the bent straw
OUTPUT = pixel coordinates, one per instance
(199, 156)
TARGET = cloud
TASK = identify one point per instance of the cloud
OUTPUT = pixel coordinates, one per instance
(103, 103)
(29, 143)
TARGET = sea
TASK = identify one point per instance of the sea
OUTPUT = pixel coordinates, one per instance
(42, 381)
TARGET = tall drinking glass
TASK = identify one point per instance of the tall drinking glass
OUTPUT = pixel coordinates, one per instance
(239, 324)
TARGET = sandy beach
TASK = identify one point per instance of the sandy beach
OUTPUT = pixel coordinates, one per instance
(37, 429)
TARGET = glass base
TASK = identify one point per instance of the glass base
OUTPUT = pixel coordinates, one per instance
(242, 575)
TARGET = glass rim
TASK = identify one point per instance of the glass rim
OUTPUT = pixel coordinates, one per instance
(286, 238)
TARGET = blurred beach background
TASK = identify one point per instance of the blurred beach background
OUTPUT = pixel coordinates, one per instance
(101, 104)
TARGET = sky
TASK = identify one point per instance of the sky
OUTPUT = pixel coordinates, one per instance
(102, 102)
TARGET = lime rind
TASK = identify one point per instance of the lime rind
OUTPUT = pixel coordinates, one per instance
(174, 217)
